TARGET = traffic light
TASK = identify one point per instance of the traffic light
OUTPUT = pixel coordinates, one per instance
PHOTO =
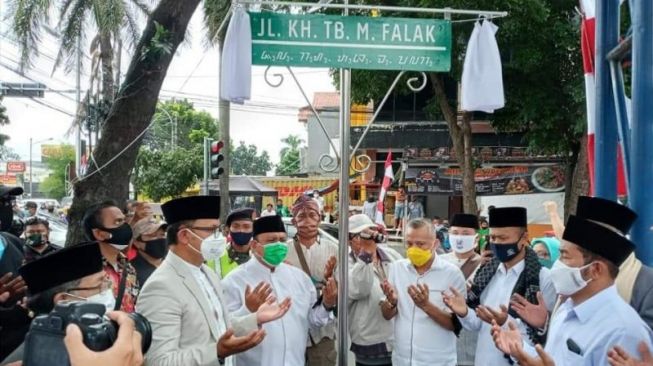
(216, 159)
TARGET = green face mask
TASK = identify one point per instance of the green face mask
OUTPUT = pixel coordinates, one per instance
(275, 253)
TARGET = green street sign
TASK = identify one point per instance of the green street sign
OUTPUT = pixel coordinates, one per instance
(354, 42)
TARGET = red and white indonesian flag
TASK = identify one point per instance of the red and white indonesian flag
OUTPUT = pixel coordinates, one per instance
(388, 177)
(588, 49)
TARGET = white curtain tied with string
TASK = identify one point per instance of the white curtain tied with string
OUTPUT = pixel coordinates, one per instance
(236, 65)
(482, 80)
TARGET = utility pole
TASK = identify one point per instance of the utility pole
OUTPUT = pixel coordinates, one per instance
(78, 98)
(223, 116)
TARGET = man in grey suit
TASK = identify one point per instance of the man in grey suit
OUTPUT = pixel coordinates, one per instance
(183, 298)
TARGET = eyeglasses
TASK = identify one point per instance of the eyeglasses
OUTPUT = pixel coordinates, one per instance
(105, 285)
(215, 231)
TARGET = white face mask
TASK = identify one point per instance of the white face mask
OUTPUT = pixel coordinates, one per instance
(104, 298)
(567, 280)
(212, 247)
(462, 243)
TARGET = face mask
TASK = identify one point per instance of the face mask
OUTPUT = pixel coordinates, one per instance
(418, 256)
(120, 236)
(462, 243)
(505, 252)
(241, 238)
(274, 253)
(211, 247)
(157, 248)
(546, 262)
(34, 240)
(105, 298)
(567, 280)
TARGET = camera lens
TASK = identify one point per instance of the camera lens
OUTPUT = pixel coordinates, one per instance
(144, 328)
(142, 325)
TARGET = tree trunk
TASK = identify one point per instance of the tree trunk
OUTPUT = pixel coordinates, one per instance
(106, 60)
(580, 184)
(130, 114)
(461, 137)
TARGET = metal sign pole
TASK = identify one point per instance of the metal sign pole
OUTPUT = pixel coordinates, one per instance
(343, 217)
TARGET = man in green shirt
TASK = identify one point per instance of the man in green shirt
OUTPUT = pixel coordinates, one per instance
(239, 228)
(282, 210)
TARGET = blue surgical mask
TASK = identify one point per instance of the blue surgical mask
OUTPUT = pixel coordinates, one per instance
(241, 238)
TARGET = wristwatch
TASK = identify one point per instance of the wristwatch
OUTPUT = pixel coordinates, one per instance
(221, 360)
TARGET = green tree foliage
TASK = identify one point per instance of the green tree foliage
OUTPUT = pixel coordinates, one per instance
(180, 116)
(290, 162)
(245, 160)
(542, 73)
(4, 120)
(54, 185)
(167, 173)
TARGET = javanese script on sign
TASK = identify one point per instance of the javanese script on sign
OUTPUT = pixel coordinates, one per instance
(351, 42)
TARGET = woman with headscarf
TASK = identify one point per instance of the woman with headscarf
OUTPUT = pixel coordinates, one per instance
(547, 249)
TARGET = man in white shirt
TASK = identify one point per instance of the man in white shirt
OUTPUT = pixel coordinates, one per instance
(463, 240)
(269, 211)
(514, 269)
(369, 265)
(424, 329)
(286, 339)
(593, 318)
(316, 256)
(183, 298)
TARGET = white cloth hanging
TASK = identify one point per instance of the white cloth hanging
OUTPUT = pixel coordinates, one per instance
(236, 64)
(482, 80)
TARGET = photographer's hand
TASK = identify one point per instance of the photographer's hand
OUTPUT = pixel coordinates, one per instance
(126, 351)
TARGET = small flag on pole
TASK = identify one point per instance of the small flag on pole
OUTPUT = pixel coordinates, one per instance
(388, 177)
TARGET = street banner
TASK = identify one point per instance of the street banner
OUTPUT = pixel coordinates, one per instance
(15, 167)
(355, 42)
(489, 181)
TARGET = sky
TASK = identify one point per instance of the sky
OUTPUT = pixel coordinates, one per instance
(270, 115)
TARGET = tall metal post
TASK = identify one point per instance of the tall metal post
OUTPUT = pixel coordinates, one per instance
(224, 115)
(642, 129)
(607, 37)
(343, 222)
(78, 99)
(30, 168)
(207, 165)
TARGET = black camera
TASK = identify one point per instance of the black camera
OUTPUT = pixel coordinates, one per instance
(44, 344)
(380, 238)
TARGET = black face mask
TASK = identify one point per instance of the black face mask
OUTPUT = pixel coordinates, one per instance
(35, 240)
(241, 238)
(121, 236)
(157, 248)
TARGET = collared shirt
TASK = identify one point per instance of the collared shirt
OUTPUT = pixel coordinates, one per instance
(32, 254)
(418, 339)
(498, 292)
(132, 287)
(467, 340)
(211, 296)
(317, 256)
(592, 328)
(371, 335)
(286, 337)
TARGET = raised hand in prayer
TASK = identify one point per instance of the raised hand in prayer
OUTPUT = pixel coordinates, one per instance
(533, 315)
(390, 292)
(504, 338)
(229, 344)
(330, 294)
(619, 357)
(455, 301)
(329, 267)
(420, 294)
(488, 315)
(524, 359)
(270, 310)
(255, 298)
(11, 289)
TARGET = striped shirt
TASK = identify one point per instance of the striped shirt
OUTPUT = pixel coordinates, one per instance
(316, 257)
